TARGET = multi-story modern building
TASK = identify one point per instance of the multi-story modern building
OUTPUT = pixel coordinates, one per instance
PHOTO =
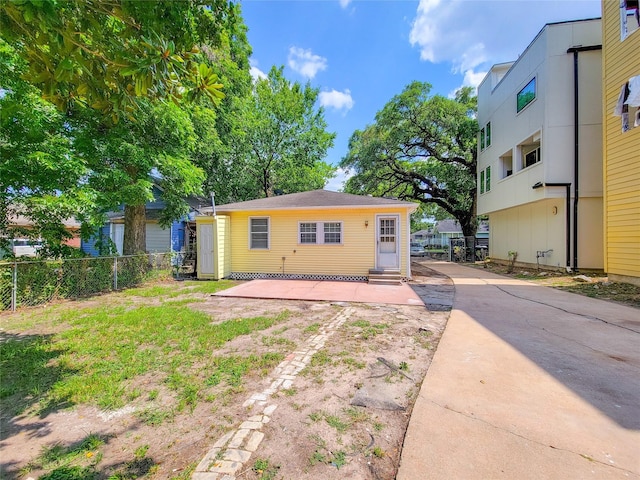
(540, 150)
(621, 139)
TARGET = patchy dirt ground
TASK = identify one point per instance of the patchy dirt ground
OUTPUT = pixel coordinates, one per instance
(377, 357)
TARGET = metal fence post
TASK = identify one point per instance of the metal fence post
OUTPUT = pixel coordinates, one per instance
(14, 287)
(115, 273)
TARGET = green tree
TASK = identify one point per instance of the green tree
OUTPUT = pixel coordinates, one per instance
(106, 55)
(421, 147)
(278, 142)
(40, 176)
(124, 158)
(108, 66)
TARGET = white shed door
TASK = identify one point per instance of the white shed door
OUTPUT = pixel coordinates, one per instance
(205, 250)
(118, 236)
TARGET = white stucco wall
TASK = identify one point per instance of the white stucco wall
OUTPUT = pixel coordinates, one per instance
(551, 118)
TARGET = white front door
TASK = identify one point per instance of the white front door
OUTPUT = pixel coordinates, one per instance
(388, 251)
(205, 250)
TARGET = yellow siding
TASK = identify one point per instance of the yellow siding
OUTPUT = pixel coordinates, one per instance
(621, 60)
(354, 257)
(223, 246)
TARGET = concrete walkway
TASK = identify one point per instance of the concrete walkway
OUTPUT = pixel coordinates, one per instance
(528, 382)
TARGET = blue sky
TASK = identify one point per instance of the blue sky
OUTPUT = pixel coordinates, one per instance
(362, 53)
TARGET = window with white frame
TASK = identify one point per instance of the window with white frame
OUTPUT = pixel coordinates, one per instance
(259, 233)
(308, 232)
(485, 136)
(530, 155)
(485, 180)
(629, 18)
(506, 164)
(526, 95)
(320, 233)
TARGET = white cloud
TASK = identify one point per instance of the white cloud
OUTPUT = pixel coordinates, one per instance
(345, 3)
(336, 184)
(471, 79)
(336, 99)
(473, 35)
(254, 71)
(305, 62)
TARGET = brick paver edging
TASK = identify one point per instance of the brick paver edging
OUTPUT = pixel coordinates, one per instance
(230, 452)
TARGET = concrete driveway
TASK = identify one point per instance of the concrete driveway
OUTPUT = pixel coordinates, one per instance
(528, 382)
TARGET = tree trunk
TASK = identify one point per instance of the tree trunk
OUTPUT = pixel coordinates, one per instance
(135, 231)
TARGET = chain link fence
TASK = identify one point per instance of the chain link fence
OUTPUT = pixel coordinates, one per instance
(31, 283)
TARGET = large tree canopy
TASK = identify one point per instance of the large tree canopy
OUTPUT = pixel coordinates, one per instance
(421, 147)
(40, 177)
(106, 54)
(121, 159)
(278, 140)
(110, 69)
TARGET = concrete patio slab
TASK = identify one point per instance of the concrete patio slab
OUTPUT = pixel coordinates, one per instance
(324, 290)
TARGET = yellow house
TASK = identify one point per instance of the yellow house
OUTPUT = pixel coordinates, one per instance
(621, 139)
(309, 235)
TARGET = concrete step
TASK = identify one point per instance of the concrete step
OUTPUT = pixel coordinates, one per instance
(385, 277)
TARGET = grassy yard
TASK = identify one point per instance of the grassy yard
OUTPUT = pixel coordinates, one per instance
(98, 355)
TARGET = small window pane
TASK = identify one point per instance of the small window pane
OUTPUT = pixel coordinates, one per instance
(482, 181)
(488, 139)
(259, 233)
(482, 139)
(332, 232)
(488, 178)
(308, 233)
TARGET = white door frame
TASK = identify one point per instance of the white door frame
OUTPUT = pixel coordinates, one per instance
(390, 260)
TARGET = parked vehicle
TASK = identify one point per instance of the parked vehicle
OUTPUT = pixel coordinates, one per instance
(24, 247)
(417, 250)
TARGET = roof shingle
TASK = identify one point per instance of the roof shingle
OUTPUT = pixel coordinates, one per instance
(311, 199)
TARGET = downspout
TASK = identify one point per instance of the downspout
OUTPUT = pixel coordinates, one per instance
(576, 149)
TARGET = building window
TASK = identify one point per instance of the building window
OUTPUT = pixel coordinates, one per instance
(259, 233)
(485, 180)
(629, 18)
(485, 136)
(333, 232)
(488, 179)
(530, 155)
(526, 95)
(320, 233)
(308, 233)
(506, 164)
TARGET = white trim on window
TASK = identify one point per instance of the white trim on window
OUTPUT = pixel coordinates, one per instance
(260, 233)
(320, 233)
(527, 95)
